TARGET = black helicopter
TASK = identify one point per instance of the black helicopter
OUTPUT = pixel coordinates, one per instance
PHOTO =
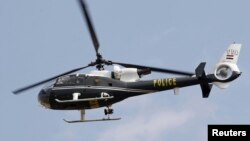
(102, 88)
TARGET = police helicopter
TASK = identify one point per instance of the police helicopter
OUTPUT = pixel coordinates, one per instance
(103, 88)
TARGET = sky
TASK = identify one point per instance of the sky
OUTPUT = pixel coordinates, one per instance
(42, 38)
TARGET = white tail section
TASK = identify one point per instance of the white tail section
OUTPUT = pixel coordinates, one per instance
(232, 54)
(227, 65)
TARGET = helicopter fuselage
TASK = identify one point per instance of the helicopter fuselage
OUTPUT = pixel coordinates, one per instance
(75, 92)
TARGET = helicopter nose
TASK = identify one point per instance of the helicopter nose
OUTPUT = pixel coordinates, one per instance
(43, 98)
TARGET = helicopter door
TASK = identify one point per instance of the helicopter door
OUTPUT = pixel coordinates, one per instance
(81, 82)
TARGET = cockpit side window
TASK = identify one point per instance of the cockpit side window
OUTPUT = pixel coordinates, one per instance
(70, 80)
(80, 80)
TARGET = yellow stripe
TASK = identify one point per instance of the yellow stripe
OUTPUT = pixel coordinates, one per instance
(94, 104)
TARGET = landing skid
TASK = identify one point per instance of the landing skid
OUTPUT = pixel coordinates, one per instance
(82, 112)
(91, 120)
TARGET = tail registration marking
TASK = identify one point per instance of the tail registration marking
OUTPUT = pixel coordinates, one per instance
(165, 82)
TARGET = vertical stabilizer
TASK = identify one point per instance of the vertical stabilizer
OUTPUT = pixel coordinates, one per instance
(227, 65)
(231, 55)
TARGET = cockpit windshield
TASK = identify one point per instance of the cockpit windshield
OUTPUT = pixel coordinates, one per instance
(49, 84)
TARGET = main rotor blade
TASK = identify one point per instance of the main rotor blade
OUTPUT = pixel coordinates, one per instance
(89, 24)
(47, 80)
(162, 70)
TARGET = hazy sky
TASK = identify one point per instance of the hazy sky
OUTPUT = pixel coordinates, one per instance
(41, 38)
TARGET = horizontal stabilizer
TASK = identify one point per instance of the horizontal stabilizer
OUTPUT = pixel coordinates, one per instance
(201, 76)
(199, 71)
(206, 88)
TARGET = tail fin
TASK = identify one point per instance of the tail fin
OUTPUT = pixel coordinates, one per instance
(232, 54)
(227, 65)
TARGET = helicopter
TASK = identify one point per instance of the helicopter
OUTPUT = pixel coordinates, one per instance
(103, 88)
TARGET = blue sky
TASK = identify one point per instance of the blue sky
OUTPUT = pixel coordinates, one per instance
(41, 38)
